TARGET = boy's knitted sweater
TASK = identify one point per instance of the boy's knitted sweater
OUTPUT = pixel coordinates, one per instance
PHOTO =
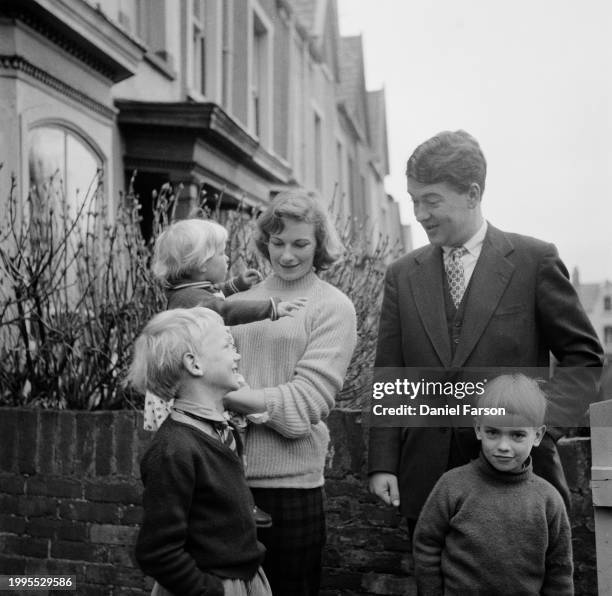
(300, 363)
(198, 524)
(486, 532)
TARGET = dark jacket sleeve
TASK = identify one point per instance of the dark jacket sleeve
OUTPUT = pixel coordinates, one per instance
(233, 286)
(235, 312)
(169, 480)
(385, 443)
(571, 339)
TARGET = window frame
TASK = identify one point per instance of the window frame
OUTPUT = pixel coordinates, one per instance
(297, 106)
(227, 53)
(260, 121)
(318, 147)
(152, 28)
(67, 128)
(198, 71)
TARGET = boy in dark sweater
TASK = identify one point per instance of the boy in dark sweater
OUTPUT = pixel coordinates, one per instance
(198, 534)
(492, 527)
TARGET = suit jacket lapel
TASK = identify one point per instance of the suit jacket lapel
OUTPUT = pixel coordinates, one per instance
(489, 281)
(427, 288)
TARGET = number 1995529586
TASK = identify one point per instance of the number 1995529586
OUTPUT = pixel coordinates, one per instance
(37, 582)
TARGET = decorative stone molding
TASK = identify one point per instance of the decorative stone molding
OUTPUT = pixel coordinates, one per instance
(82, 31)
(19, 64)
(208, 121)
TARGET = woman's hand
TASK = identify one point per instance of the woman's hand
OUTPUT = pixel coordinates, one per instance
(245, 401)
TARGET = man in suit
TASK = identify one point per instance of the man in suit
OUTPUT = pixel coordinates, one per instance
(474, 297)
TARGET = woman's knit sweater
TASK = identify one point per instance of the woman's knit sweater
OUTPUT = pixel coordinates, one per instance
(491, 533)
(300, 363)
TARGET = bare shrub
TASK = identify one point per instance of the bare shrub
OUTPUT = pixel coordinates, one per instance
(75, 290)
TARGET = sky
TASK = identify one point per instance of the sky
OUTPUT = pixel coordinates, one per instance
(531, 80)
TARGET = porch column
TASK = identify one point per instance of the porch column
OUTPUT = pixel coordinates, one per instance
(601, 485)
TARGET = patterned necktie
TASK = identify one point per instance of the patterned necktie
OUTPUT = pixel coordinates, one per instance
(225, 433)
(455, 274)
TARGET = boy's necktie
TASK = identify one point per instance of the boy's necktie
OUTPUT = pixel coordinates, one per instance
(455, 273)
(224, 431)
(226, 434)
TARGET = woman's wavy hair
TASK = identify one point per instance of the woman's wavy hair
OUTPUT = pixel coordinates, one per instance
(299, 206)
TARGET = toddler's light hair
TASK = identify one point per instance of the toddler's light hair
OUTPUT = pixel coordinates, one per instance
(518, 395)
(184, 248)
(157, 364)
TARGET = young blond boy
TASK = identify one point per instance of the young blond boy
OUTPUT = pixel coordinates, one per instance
(492, 527)
(198, 534)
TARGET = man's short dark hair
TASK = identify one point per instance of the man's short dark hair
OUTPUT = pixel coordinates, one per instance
(452, 157)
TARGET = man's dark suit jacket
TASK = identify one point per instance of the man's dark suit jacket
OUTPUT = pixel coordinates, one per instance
(519, 307)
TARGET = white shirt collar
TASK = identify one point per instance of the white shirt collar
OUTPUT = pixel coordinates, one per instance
(474, 244)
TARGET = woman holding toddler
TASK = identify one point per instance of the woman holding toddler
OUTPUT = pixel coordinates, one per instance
(294, 368)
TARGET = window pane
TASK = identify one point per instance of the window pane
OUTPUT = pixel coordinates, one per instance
(258, 73)
(318, 152)
(81, 174)
(46, 159)
(226, 72)
(62, 167)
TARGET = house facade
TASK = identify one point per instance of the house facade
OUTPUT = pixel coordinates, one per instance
(232, 98)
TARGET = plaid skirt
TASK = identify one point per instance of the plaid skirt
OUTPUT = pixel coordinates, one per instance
(295, 541)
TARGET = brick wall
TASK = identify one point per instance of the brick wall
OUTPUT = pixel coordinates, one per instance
(70, 504)
(70, 497)
(576, 457)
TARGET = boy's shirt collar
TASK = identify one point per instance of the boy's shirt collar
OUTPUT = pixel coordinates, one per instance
(201, 410)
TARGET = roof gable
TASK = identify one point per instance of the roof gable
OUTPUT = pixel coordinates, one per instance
(304, 11)
(320, 19)
(377, 118)
(330, 38)
(352, 83)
